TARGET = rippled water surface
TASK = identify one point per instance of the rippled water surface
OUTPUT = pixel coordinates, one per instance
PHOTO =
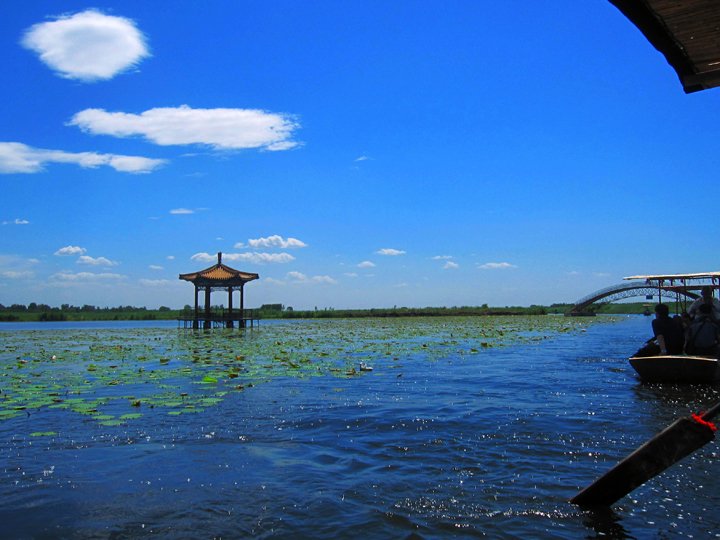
(464, 427)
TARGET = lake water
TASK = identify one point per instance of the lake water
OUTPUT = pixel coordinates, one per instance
(464, 428)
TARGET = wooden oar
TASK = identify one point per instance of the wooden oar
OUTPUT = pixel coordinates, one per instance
(679, 439)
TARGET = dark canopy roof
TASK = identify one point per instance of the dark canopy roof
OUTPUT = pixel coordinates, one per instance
(687, 32)
(219, 275)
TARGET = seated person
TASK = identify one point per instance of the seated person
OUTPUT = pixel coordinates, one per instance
(705, 298)
(668, 334)
(703, 334)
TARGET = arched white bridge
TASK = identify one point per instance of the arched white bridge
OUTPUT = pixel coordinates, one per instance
(626, 290)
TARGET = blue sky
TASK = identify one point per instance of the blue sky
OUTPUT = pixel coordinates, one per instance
(354, 154)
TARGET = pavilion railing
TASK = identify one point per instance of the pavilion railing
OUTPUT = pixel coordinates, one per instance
(219, 317)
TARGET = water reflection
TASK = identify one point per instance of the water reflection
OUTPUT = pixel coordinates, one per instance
(606, 523)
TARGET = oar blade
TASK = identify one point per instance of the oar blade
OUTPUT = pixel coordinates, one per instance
(668, 447)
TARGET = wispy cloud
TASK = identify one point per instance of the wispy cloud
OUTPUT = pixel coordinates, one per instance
(496, 266)
(156, 267)
(157, 282)
(87, 46)
(450, 265)
(17, 221)
(252, 257)
(362, 158)
(298, 277)
(442, 257)
(274, 241)
(390, 251)
(20, 158)
(96, 261)
(366, 264)
(221, 129)
(86, 277)
(17, 274)
(181, 211)
(71, 250)
(14, 267)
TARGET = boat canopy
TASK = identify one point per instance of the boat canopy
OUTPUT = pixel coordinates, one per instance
(677, 277)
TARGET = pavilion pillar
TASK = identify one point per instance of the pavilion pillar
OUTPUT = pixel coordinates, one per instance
(207, 323)
(242, 305)
(230, 309)
(196, 312)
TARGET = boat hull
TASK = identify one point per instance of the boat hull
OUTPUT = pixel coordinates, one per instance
(677, 368)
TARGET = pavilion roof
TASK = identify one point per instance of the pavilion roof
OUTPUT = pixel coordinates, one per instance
(219, 275)
(685, 32)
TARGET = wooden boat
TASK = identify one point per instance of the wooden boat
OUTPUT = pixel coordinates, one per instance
(678, 368)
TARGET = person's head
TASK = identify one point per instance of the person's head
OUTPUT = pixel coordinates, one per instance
(705, 309)
(706, 292)
(662, 311)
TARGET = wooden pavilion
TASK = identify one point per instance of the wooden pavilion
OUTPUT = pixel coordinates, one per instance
(219, 277)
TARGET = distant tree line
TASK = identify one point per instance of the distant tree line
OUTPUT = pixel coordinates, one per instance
(67, 312)
(43, 312)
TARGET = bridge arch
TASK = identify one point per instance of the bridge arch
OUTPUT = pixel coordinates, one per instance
(624, 290)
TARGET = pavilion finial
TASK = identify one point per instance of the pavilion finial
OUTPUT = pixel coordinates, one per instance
(219, 257)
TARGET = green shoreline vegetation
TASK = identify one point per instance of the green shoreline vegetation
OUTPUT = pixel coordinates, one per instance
(34, 312)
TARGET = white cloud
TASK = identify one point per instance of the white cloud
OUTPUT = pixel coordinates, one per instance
(442, 257)
(256, 258)
(351, 274)
(71, 250)
(390, 251)
(17, 221)
(155, 267)
(366, 264)
(274, 281)
(156, 282)
(181, 211)
(86, 277)
(17, 157)
(87, 46)
(496, 266)
(299, 277)
(362, 158)
(324, 279)
(221, 129)
(274, 241)
(96, 261)
(17, 274)
(450, 265)
(14, 267)
(170, 257)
